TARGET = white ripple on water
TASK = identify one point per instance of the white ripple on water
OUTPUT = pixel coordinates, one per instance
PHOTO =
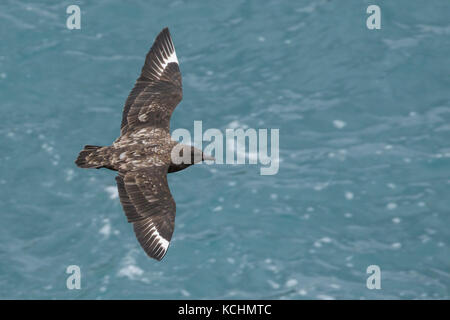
(302, 292)
(112, 192)
(324, 297)
(105, 230)
(391, 206)
(54, 157)
(401, 43)
(396, 245)
(17, 22)
(105, 282)
(273, 284)
(339, 124)
(435, 29)
(396, 220)
(130, 269)
(291, 283)
(115, 57)
(70, 173)
(320, 186)
(185, 293)
(318, 243)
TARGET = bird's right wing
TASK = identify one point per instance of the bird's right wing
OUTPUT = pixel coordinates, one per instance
(149, 205)
(157, 91)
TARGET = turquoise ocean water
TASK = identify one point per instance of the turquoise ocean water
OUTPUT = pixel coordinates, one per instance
(364, 147)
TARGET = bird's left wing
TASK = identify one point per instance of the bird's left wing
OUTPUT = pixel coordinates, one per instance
(149, 205)
(157, 91)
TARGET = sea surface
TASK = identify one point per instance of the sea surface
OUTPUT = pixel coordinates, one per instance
(364, 168)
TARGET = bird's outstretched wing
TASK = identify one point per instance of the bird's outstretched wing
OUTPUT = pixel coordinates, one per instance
(157, 91)
(148, 204)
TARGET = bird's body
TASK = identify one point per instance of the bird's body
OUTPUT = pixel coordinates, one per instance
(135, 150)
(143, 153)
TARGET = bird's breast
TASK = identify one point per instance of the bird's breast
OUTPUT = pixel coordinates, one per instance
(138, 156)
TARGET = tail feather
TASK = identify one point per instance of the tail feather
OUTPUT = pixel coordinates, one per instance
(88, 159)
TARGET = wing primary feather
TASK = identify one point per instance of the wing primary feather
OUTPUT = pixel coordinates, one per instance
(149, 205)
(159, 85)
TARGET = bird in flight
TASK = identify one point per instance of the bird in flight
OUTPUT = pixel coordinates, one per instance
(143, 153)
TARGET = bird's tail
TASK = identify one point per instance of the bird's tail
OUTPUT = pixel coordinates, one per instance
(89, 157)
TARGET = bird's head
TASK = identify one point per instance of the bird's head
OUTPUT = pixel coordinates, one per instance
(183, 156)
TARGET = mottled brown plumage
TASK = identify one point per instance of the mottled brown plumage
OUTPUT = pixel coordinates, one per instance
(142, 153)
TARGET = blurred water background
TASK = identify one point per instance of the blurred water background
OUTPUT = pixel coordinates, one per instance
(364, 146)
